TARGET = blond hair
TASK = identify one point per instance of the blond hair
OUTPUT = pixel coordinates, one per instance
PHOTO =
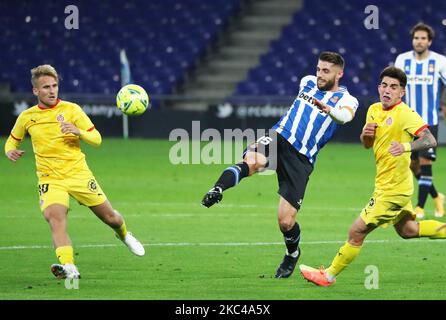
(43, 70)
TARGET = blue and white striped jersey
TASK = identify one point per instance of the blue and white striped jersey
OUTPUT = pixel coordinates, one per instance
(423, 83)
(304, 125)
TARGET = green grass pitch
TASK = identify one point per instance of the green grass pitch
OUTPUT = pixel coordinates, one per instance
(229, 251)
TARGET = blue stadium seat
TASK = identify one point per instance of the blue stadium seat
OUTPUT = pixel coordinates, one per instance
(341, 28)
(163, 40)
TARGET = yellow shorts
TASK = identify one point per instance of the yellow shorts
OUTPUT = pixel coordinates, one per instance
(83, 188)
(384, 209)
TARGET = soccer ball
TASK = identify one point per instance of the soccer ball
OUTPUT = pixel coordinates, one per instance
(132, 100)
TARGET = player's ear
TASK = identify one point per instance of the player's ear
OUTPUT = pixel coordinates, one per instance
(402, 93)
(339, 74)
(35, 91)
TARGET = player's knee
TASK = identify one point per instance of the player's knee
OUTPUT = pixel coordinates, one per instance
(356, 237)
(415, 167)
(113, 217)
(408, 231)
(53, 216)
(286, 223)
(256, 161)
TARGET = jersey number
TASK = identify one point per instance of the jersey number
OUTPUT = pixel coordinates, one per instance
(43, 188)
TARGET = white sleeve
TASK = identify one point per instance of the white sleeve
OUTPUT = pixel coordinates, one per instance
(344, 110)
(305, 80)
(442, 71)
(399, 62)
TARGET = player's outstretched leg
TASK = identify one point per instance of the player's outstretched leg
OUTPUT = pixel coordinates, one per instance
(253, 162)
(343, 258)
(229, 178)
(112, 218)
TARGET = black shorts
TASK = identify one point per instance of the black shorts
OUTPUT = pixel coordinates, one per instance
(293, 168)
(431, 153)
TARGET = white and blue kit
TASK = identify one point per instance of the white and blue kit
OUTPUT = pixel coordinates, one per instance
(301, 133)
(424, 78)
(304, 126)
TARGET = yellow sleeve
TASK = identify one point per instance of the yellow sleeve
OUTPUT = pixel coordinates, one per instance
(92, 137)
(413, 123)
(88, 132)
(18, 132)
(368, 118)
(81, 120)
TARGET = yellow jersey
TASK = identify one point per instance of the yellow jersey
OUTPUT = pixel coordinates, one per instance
(58, 155)
(401, 124)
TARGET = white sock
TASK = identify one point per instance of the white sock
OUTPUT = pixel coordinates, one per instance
(329, 277)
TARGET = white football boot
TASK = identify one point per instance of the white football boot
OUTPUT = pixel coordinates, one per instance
(65, 271)
(133, 244)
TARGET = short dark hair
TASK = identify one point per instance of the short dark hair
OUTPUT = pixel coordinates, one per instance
(332, 57)
(395, 73)
(423, 27)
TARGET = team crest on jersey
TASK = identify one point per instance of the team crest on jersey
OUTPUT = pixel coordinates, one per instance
(431, 68)
(92, 186)
(389, 121)
(334, 99)
(60, 117)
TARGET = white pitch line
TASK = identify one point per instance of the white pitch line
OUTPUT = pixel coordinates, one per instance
(230, 205)
(220, 244)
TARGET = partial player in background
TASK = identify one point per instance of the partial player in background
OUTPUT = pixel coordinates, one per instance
(425, 71)
(321, 106)
(390, 129)
(443, 104)
(56, 128)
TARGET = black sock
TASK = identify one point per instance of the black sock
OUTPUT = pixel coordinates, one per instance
(292, 238)
(233, 175)
(433, 192)
(424, 184)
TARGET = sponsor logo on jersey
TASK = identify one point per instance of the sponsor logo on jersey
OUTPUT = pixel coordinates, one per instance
(306, 97)
(418, 79)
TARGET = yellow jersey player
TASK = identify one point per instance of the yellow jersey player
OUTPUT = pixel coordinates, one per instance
(56, 128)
(390, 128)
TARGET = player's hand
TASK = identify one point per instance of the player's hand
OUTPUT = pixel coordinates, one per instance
(369, 130)
(321, 106)
(396, 149)
(14, 155)
(69, 128)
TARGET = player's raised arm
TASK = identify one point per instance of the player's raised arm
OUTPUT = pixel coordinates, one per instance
(340, 115)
